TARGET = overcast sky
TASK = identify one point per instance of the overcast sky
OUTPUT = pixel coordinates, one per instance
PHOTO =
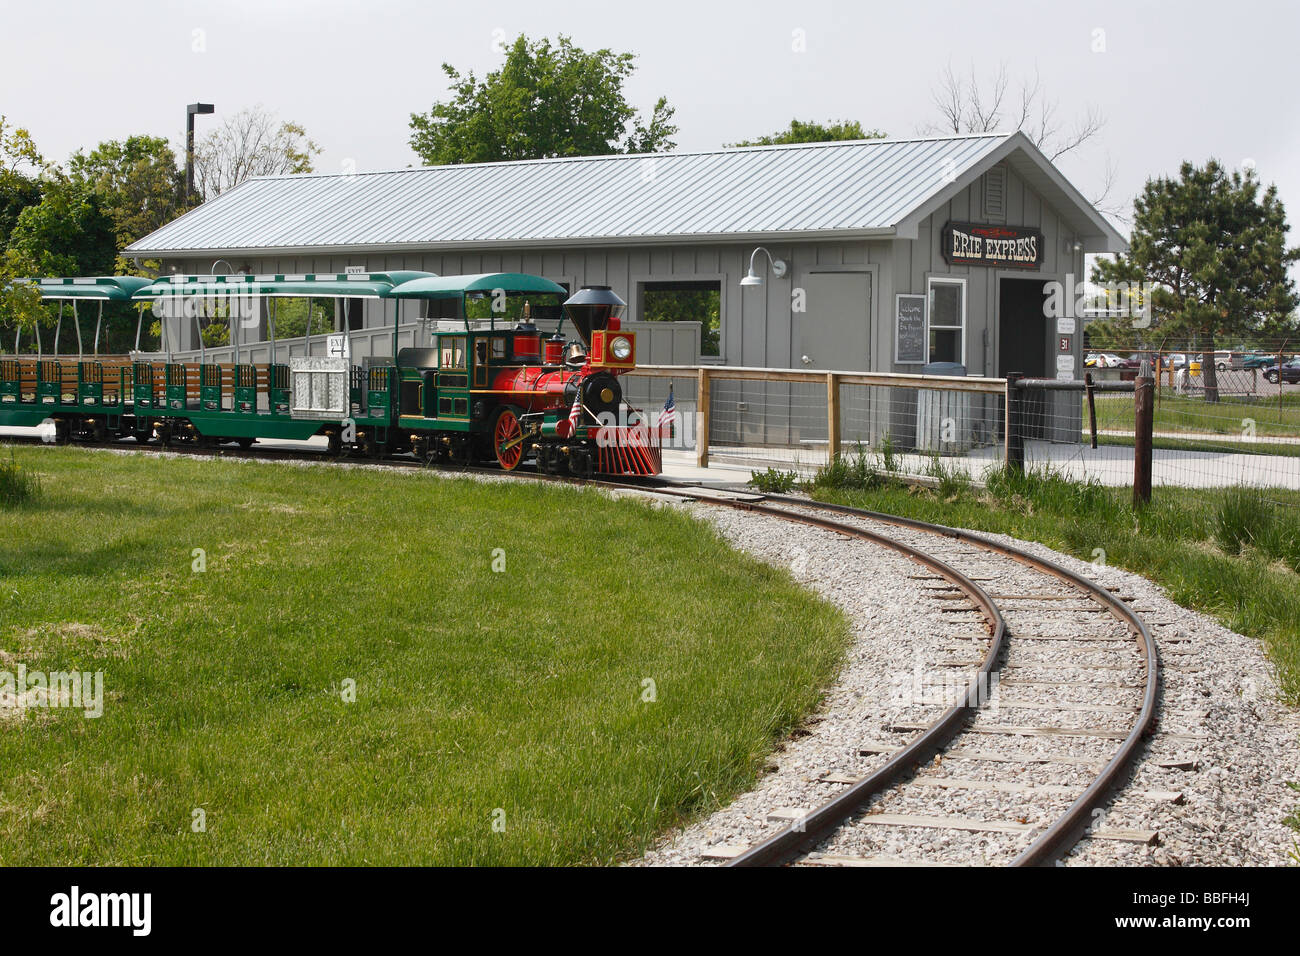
(1175, 80)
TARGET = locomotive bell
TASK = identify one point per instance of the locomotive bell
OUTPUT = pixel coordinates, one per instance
(591, 308)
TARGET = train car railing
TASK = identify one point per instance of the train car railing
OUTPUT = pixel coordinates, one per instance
(49, 382)
(142, 388)
(176, 376)
(210, 388)
(379, 391)
(278, 389)
(245, 389)
(90, 383)
(11, 382)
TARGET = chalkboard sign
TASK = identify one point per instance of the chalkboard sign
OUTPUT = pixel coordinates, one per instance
(909, 330)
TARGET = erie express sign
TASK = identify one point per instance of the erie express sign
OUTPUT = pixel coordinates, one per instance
(1008, 247)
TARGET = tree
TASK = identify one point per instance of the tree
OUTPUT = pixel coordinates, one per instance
(1214, 245)
(138, 180)
(20, 302)
(814, 132)
(20, 161)
(965, 105)
(68, 233)
(545, 101)
(251, 143)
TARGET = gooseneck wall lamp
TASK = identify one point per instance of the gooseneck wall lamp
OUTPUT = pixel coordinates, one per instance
(753, 278)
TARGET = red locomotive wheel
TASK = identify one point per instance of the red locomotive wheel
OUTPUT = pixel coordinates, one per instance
(508, 439)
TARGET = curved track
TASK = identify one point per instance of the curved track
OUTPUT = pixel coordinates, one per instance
(1091, 635)
(957, 562)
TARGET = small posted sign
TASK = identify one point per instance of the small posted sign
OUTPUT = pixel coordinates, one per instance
(909, 329)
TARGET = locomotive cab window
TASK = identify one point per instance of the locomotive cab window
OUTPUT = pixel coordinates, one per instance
(498, 348)
(453, 353)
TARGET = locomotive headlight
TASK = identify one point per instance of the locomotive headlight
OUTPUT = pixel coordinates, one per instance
(620, 348)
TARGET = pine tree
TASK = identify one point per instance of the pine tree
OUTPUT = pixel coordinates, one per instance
(1214, 245)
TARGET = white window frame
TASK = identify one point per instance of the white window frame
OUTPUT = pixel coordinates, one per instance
(930, 283)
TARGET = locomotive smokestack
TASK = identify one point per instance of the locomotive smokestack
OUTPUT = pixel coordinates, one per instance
(591, 308)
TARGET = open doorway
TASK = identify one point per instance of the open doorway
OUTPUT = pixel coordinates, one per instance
(1022, 328)
(1023, 346)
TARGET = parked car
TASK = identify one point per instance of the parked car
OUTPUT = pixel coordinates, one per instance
(1225, 359)
(1289, 373)
(1104, 360)
(1258, 361)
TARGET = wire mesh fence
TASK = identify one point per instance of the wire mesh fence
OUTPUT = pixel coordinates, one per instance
(790, 419)
(1244, 433)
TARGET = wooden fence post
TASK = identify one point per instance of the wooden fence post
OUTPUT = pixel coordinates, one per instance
(702, 419)
(1143, 423)
(833, 415)
(1015, 443)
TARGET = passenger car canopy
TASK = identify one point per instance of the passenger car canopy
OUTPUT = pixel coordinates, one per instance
(452, 287)
(102, 288)
(365, 285)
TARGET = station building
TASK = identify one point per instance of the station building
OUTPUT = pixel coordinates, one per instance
(876, 255)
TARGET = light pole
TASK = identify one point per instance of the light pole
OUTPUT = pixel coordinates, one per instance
(190, 111)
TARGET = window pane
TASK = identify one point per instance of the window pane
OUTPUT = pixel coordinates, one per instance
(945, 345)
(945, 305)
(687, 301)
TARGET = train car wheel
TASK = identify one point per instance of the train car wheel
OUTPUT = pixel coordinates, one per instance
(245, 443)
(508, 439)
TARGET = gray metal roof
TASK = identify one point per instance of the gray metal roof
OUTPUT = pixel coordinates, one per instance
(859, 188)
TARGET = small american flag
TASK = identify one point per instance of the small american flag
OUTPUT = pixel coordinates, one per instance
(575, 413)
(668, 417)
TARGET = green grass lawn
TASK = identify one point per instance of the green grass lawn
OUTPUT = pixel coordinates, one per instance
(499, 718)
(1212, 444)
(1233, 554)
(1227, 417)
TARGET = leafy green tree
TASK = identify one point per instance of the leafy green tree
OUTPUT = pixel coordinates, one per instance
(814, 132)
(138, 180)
(545, 101)
(1214, 245)
(20, 302)
(68, 233)
(19, 187)
(688, 305)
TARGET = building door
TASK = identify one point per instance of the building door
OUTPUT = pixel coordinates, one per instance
(1022, 328)
(1023, 347)
(835, 331)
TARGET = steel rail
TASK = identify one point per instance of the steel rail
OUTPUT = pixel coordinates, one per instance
(828, 817)
(1068, 828)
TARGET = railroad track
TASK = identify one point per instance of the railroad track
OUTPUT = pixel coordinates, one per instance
(1061, 662)
(1076, 675)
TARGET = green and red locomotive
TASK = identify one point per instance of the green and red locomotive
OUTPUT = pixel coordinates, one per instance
(498, 380)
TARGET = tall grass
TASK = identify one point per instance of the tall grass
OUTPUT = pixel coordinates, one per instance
(855, 471)
(18, 486)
